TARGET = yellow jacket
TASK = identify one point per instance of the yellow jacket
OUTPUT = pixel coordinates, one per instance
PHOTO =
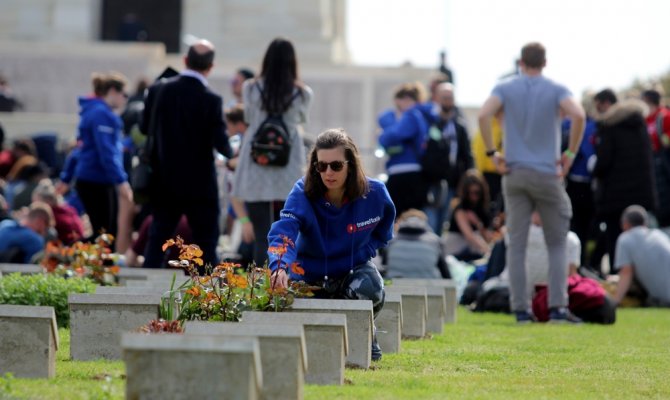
(482, 162)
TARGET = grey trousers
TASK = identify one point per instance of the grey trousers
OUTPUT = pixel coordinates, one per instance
(526, 191)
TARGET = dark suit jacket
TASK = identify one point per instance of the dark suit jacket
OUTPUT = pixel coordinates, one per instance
(189, 125)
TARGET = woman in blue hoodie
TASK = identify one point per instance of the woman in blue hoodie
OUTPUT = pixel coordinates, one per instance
(337, 218)
(99, 172)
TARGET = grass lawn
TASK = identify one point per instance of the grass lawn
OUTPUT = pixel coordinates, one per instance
(482, 356)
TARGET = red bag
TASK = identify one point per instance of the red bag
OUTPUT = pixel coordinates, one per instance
(583, 294)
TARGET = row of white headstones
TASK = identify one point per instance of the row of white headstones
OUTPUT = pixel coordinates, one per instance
(268, 355)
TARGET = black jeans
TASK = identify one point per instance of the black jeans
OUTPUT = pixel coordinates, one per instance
(203, 219)
(101, 202)
(407, 190)
(583, 210)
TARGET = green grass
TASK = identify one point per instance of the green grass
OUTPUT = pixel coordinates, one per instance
(482, 356)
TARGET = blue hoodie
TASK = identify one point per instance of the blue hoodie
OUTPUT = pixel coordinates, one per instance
(330, 241)
(100, 131)
(404, 140)
(579, 171)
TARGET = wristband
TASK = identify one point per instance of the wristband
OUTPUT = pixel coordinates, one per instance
(244, 220)
(490, 153)
(569, 154)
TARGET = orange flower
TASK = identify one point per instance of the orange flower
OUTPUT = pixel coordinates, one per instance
(205, 280)
(168, 243)
(194, 291)
(237, 281)
(277, 250)
(277, 291)
(296, 269)
(288, 241)
(114, 269)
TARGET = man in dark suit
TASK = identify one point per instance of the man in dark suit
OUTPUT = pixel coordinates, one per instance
(188, 125)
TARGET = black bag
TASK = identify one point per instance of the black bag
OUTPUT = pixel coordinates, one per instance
(435, 160)
(271, 144)
(141, 174)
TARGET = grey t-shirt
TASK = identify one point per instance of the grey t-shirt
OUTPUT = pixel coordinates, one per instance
(648, 251)
(532, 121)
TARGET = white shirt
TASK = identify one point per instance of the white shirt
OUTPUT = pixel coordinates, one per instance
(195, 74)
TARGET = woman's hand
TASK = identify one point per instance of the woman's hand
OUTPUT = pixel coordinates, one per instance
(248, 235)
(279, 278)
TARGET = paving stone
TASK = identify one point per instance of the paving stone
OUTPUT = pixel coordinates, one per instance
(97, 321)
(282, 353)
(325, 340)
(174, 366)
(28, 341)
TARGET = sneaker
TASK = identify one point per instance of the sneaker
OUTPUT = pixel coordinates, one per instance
(375, 351)
(524, 317)
(561, 315)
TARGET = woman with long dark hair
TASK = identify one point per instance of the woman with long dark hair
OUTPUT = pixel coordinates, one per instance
(469, 234)
(259, 191)
(337, 218)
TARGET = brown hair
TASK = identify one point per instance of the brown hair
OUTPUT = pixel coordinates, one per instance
(413, 90)
(533, 55)
(356, 184)
(235, 114)
(473, 177)
(103, 82)
(41, 210)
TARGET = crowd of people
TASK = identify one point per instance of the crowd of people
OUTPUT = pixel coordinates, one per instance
(545, 178)
(534, 199)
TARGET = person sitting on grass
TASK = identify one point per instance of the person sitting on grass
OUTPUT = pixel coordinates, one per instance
(642, 254)
(469, 230)
(415, 251)
(338, 218)
(20, 241)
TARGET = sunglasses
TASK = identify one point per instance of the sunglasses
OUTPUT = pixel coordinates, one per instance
(336, 166)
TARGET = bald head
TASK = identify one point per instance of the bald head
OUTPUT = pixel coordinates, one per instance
(200, 56)
(444, 95)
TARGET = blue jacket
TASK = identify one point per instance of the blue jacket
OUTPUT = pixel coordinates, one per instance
(14, 235)
(330, 241)
(579, 170)
(69, 166)
(100, 131)
(404, 140)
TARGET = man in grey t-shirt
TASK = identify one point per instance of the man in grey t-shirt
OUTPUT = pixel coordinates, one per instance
(642, 253)
(533, 169)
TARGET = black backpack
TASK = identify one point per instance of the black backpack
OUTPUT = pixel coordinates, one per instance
(271, 144)
(435, 160)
